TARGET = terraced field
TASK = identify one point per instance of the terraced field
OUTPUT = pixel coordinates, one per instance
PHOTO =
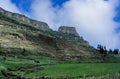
(36, 67)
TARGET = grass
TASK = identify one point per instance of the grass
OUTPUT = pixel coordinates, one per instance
(27, 67)
(77, 70)
(23, 65)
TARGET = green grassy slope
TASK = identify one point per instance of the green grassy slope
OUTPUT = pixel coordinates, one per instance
(39, 66)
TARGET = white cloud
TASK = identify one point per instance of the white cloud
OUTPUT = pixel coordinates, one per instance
(9, 6)
(92, 18)
(43, 11)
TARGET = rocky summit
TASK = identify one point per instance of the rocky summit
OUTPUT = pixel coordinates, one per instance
(68, 30)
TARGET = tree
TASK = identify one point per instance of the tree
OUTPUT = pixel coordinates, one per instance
(110, 51)
(102, 49)
(116, 51)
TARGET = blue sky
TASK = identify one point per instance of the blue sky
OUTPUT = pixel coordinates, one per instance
(117, 18)
(98, 21)
(24, 5)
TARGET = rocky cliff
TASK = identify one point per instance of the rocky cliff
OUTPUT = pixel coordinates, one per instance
(68, 30)
(25, 20)
(17, 35)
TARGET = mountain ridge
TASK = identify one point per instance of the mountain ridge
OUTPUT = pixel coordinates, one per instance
(24, 19)
(17, 35)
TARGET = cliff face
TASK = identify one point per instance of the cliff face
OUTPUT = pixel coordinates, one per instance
(68, 30)
(25, 20)
(16, 33)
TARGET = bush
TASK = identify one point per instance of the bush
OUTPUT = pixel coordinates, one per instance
(2, 68)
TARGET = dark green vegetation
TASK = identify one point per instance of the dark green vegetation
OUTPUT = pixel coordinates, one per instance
(11, 67)
(37, 67)
(30, 49)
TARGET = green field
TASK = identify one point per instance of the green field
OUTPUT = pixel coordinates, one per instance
(28, 68)
(78, 70)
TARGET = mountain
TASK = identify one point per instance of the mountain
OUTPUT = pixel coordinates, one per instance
(68, 30)
(20, 35)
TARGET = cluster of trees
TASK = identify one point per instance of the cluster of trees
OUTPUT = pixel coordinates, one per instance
(102, 50)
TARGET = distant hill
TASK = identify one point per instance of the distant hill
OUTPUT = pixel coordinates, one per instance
(20, 35)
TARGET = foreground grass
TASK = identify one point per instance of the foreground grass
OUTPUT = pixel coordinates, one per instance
(21, 66)
(77, 70)
(28, 68)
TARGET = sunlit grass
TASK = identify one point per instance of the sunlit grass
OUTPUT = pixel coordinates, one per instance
(76, 70)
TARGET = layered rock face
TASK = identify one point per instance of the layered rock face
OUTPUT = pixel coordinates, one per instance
(25, 20)
(68, 30)
(17, 32)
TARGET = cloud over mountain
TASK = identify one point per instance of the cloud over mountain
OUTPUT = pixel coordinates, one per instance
(8, 5)
(92, 18)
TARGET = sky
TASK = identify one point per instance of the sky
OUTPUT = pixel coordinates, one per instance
(97, 21)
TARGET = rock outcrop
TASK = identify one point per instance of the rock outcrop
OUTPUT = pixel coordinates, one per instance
(23, 19)
(68, 30)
